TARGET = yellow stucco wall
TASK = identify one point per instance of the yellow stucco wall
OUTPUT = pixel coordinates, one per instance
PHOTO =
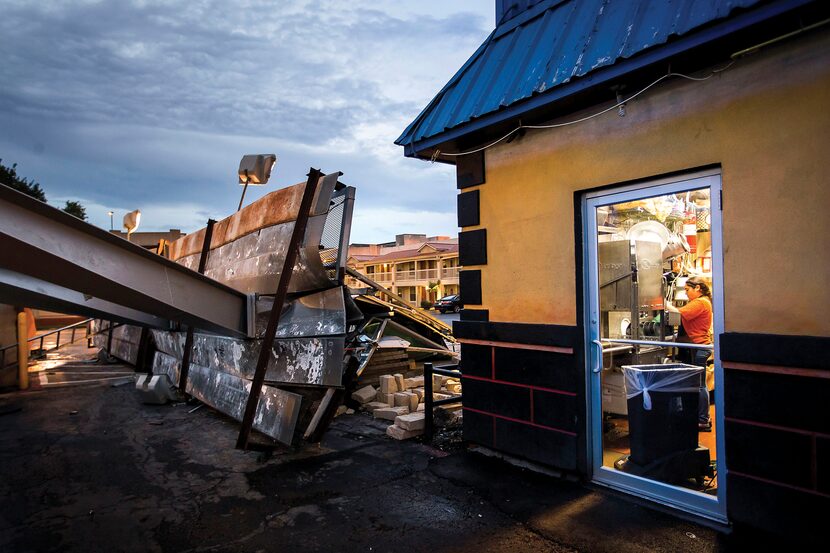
(766, 121)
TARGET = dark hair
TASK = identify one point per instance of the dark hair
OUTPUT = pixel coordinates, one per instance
(704, 286)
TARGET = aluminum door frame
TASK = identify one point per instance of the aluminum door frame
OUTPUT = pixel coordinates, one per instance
(707, 506)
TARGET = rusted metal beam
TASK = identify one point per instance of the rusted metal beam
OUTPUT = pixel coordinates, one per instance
(16, 288)
(291, 254)
(188, 341)
(43, 242)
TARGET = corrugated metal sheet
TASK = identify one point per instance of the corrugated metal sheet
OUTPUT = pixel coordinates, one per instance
(551, 44)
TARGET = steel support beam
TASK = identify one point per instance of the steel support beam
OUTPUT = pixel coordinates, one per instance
(17, 289)
(43, 242)
(291, 254)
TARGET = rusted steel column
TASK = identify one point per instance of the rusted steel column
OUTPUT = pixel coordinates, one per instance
(22, 351)
(188, 340)
(291, 254)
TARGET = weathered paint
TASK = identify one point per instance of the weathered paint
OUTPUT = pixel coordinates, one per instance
(315, 361)
(277, 207)
(125, 341)
(277, 412)
(556, 43)
(765, 121)
(253, 263)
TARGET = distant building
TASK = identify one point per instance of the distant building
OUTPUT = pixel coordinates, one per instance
(414, 266)
(150, 240)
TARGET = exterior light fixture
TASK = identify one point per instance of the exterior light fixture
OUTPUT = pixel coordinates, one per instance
(131, 221)
(255, 169)
(111, 213)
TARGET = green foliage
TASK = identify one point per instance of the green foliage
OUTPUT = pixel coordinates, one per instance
(426, 304)
(9, 177)
(76, 209)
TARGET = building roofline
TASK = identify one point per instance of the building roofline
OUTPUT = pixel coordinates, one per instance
(424, 148)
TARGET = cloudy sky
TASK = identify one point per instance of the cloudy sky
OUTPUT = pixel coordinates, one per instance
(150, 104)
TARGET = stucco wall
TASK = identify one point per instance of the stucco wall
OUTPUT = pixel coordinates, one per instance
(765, 121)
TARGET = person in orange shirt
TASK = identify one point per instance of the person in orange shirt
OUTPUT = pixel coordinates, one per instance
(696, 324)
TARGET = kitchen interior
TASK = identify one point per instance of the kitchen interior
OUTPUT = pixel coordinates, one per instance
(652, 389)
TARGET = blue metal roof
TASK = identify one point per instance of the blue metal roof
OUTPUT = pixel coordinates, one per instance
(554, 44)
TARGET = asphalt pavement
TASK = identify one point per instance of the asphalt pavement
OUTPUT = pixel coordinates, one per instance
(87, 467)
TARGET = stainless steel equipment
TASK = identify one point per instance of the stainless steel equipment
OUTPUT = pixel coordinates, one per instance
(631, 281)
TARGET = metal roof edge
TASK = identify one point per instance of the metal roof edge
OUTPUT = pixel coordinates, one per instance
(406, 134)
(525, 16)
(646, 58)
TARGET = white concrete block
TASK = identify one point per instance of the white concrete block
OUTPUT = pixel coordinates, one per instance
(372, 406)
(388, 399)
(412, 421)
(399, 381)
(155, 388)
(414, 382)
(364, 395)
(400, 434)
(388, 384)
(390, 413)
(401, 398)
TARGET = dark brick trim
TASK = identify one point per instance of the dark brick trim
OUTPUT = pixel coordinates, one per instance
(469, 170)
(809, 352)
(475, 315)
(469, 283)
(468, 209)
(519, 333)
(519, 421)
(528, 386)
(472, 247)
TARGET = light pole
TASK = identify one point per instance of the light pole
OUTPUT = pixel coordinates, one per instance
(111, 213)
(254, 169)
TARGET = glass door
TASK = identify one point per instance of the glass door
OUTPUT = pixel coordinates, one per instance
(653, 289)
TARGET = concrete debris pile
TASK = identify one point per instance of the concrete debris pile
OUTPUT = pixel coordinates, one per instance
(329, 340)
(401, 400)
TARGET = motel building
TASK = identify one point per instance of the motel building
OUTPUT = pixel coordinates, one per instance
(418, 268)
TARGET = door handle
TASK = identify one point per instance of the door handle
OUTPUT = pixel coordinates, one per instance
(598, 365)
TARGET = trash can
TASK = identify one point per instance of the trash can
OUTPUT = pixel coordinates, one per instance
(662, 410)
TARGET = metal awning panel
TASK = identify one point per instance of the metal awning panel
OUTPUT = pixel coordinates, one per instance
(19, 289)
(277, 412)
(40, 241)
(316, 361)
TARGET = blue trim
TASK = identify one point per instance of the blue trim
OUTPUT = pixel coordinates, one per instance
(604, 75)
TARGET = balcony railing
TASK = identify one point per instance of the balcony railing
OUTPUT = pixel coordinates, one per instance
(381, 277)
(422, 274)
(449, 272)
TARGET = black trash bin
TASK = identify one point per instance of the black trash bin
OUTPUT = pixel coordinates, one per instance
(662, 410)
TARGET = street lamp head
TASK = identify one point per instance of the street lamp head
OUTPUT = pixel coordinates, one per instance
(255, 169)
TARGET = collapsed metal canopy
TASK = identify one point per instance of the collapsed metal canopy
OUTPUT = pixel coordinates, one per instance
(42, 242)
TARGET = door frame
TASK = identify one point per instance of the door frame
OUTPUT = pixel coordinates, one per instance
(713, 508)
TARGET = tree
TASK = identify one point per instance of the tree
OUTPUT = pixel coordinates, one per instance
(8, 176)
(76, 209)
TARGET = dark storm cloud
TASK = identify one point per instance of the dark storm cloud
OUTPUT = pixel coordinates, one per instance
(120, 100)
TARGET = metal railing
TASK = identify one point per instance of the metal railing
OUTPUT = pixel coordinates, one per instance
(71, 329)
(419, 274)
(449, 272)
(429, 403)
